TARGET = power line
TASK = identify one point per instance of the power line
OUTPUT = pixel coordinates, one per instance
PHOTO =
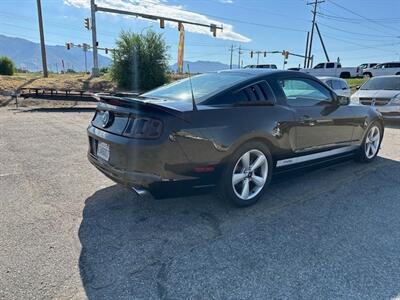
(363, 17)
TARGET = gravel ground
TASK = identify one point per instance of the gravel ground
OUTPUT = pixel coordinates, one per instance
(70, 233)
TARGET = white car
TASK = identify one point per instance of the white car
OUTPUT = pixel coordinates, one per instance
(389, 68)
(383, 92)
(362, 67)
(333, 69)
(339, 85)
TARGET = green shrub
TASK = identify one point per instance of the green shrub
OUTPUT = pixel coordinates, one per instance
(7, 66)
(140, 61)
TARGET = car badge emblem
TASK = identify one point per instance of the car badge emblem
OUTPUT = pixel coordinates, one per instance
(106, 119)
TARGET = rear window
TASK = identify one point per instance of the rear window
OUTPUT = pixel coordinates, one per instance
(204, 86)
(382, 83)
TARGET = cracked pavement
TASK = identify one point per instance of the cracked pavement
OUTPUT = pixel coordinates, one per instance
(68, 232)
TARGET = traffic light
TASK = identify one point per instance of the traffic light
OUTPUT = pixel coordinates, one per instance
(68, 45)
(106, 50)
(213, 29)
(87, 23)
(162, 23)
(285, 54)
(251, 54)
(265, 53)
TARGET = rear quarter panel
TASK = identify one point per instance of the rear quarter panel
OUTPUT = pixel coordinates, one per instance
(215, 133)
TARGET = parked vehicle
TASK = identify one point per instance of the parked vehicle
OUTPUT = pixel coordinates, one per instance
(389, 68)
(338, 85)
(383, 92)
(294, 69)
(262, 66)
(231, 129)
(362, 67)
(333, 69)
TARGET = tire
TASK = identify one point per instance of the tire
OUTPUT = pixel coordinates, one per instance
(344, 75)
(367, 75)
(371, 143)
(250, 183)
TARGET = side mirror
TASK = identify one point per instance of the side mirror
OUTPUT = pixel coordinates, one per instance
(357, 87)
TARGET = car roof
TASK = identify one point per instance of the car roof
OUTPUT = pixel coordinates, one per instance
(260, 72)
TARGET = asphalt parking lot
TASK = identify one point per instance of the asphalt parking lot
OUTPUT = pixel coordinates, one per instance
(67, 232)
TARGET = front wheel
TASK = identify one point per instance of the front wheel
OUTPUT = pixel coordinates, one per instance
(247, 174)
(370, 146)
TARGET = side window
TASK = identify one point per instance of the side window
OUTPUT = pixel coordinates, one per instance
(329, 83)
(240, 96)
(395, 65)
(330, 65)
(344, 85)
(336, 85)
(319, 66)
(372, 65)
(304, 92)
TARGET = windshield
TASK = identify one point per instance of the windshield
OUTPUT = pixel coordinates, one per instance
(382, 83)
(204, 86)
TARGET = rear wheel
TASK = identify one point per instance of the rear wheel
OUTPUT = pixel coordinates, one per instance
(344, 75)
(247, 174)
(370, 146)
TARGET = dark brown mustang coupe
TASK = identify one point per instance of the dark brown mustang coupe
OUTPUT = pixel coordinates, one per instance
(228, 129)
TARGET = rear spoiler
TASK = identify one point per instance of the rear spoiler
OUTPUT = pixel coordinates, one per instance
(128, 100)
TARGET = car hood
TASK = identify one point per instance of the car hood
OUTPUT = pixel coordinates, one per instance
(376, 93)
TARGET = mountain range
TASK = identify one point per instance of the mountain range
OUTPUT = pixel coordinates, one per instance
(26, 55)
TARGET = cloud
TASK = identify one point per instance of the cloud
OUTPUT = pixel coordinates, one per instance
(226, 1)
(160, 8)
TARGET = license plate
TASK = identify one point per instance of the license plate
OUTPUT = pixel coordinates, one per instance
(103, 151)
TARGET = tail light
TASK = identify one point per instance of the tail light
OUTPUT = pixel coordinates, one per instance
(143, 128)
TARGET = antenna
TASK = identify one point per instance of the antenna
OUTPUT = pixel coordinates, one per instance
(191, 89)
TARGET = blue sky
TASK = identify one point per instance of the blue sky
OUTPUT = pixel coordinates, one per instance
(357, 31)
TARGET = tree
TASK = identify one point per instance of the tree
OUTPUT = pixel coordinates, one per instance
(7, 66)
(140, 61)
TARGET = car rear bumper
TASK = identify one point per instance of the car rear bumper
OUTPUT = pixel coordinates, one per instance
(157, 166)
(124, 177)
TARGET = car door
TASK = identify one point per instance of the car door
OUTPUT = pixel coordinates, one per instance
(381, 70)
(319, 70)
(321, 122)
(394, 69)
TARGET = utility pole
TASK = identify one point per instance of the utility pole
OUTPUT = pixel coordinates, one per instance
(42, 43)
(240, 53)
(322, 42)
(314, 11)
(95, 70)
(306, 53)
(230, 65)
